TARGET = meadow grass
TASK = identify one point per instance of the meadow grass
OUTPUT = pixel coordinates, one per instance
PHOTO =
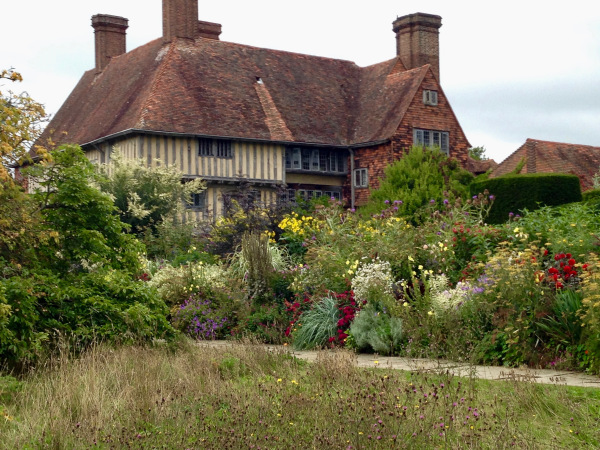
(245, 396)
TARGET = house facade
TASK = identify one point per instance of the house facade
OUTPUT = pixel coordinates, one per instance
(279, 121)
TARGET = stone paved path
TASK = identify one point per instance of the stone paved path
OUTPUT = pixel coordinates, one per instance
(546, 376)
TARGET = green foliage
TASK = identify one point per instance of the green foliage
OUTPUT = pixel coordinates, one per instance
(592, 195)
(79, 282)
(564, 326)
(265, 323)
(20, 230)
(478, 153)
(420, 178)
(317, 325)
(515, 193)
(377, 331)
(83, 221)
(21, 123)
(146, 196)
(572, 227)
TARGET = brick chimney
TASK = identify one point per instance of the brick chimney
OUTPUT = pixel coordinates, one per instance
(417, 41)
(209, 30)
(180, 19)
(110, 32)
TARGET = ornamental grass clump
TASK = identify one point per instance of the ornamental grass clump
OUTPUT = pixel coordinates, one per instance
(317, 325)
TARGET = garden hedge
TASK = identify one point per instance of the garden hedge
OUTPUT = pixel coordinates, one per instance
(514, 193)
(592, 195)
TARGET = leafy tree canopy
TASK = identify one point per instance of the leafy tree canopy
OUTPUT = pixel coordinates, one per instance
(21, 123)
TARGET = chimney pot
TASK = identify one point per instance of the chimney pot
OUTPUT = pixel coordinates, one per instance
(110, 36)
(209, 30)
(417, 40)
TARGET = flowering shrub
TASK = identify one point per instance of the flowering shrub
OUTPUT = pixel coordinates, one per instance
(372, 280)
(563, 272)
(175, 284)
(197, 318)
(443, 297)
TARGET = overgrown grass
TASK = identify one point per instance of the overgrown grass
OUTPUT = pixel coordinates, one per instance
(245, 396)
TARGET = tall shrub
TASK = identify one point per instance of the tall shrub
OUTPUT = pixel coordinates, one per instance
(420, 177)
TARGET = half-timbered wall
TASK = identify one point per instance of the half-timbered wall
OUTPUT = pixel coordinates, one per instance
(262, 164)
(254, 161)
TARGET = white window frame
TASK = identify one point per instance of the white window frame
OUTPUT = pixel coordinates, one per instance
(432, 139)
(361, 178)
(430, 97)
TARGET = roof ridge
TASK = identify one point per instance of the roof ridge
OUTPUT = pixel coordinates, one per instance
(169, 50)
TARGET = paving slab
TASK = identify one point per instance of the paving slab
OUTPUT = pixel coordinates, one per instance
(544, 376)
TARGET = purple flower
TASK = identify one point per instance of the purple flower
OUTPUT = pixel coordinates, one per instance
(510, 214)
(387, 202)
(432, 201)
(446, 201)
(492, 197)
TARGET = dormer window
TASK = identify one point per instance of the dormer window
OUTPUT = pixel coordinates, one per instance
(430, 97)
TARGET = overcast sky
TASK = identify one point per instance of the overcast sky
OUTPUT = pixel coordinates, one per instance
(511, 70)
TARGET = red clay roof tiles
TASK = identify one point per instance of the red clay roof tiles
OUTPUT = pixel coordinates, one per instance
(208, 87)
(554, 157)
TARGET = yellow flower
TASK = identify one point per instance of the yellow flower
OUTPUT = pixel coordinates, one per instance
(279, 380)
(420, 267)
(410, 258)
(294, 382)
(430, 313)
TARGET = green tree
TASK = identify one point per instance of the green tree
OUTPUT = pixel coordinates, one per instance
(145, 196)
(21, 123)
(421, 177)
(478, 153)
(82, 220)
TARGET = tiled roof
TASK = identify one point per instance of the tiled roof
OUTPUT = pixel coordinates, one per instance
(554, 157)
(480, 166)
(209, 87)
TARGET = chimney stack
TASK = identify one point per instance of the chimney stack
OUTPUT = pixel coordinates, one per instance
(209, 30)
(417, 41)
(180, 19)
(110, 32)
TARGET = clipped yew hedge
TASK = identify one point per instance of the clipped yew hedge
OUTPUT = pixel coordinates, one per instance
(514, 193)
(592, 195)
